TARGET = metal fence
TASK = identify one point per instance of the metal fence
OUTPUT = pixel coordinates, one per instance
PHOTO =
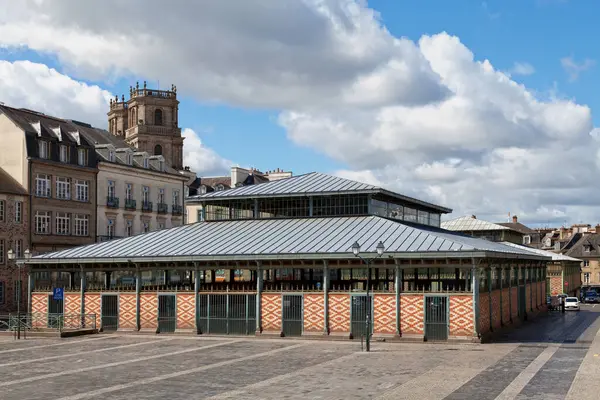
(43, 321)
(229, 314)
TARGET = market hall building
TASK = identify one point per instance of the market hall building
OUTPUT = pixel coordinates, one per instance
(277, 258)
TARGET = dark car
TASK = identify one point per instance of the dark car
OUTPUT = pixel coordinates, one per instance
(591, 297)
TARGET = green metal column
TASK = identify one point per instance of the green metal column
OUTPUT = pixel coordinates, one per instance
(530, 288)
(82, 295)
(397, 284)
(489, 286)
(510, 275)
(501, 293)
(259, 286)
(475, 287)
(325, 298)
(138, 290)
(196, 298)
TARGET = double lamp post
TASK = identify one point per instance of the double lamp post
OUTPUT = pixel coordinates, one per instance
(356, 251)
(13, 257)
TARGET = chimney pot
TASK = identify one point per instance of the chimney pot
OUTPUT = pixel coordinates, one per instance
(515, 219)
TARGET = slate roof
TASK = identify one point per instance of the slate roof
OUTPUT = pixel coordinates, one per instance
(519, 227)
(555, 256)
(578, 248)
(314, 183)
(8, 185)
(305, 238)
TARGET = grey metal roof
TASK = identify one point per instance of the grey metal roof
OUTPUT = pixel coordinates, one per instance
(468, 223)
(307, 238)
(314, 183)
(555, 256)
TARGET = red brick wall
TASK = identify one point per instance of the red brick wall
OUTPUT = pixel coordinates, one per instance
(527, 297)
(186, 308)
(271, 312)
(339, 313)
(127, 311)
(484, 312)
(93, 306)
(496, 311)
(384, 314)
(314, 313)
(39, 305)
(461, 315)
(544, 294)
(72, 303)
(556, 286)
(514, 304)
(411, 314)
(505, 306)
(148, 311)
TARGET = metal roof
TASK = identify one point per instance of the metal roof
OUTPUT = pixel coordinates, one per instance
(307, 238)
(555, 256)
(468, 223)
(314, 183)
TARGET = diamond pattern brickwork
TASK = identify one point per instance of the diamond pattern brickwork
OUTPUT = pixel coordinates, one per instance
(461, 315)
(148, 311)
(506, 306)
(411, 314)
(384, 314)
(72, 303)
(127, 311)
(496, 311)
(556, 286)
(339, 313)
(39, 305)
(314, 313)
(93, 306)
(186, 307)
(484, 312)
(271, 312)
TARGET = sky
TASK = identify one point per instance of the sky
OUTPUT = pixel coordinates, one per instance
(484, 107)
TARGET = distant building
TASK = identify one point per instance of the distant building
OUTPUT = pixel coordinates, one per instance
(14, 219)
(514, 232)
(238, 177)
(531, 237)
(587, 249)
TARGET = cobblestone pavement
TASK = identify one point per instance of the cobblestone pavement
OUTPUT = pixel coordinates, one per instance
(556, 358)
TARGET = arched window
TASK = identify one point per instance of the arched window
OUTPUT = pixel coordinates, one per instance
(158, 120)
(158, 150)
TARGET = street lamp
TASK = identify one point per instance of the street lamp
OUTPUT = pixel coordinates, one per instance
(13, 257)
(356, 251)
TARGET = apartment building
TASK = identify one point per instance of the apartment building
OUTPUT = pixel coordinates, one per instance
(136, 192)
(13, 236)
(56, 164)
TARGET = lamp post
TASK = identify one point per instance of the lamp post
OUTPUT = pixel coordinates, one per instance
(13, 257)
(356, 251)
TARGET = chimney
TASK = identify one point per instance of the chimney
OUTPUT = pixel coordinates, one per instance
(515, 219)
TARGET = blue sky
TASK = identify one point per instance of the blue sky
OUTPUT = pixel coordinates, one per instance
(328, 91)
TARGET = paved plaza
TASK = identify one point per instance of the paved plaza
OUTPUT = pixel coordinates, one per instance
(555, 359)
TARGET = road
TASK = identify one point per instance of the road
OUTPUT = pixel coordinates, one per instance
(555, 358)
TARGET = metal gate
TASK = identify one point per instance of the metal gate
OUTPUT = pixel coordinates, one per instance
(227, 314)
(521, 301)
(167, 315)
(292, 318)
(358, 315)
(436, 317)
(109, 312)
(55, 312)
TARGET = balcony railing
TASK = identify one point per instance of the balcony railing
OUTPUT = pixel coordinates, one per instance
(177, 210)
(112, 202)
(163, 208)
(147, 206)
(130, 204)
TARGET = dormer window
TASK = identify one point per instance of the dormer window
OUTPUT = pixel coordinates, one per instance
(64, 153)
(129, 159)
(587, 248)
(111, 156)
(203, 189)
(145, 162)
(219, 187)
(43, 149)
(161, 166)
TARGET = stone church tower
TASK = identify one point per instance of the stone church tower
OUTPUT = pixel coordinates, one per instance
(148, 121)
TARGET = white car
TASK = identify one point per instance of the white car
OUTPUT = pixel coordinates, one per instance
(572, 303)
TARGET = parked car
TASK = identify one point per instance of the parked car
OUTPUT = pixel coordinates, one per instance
(571, 303)
(591, 297)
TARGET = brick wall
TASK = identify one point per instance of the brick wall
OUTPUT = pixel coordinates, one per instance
(271, 312)
(484, 312)
(127, 303)
(384, 314)
(72, 303)
(339, 313)
(514, 304)
(461, 315)
(148, 311)
(186, 308)
(93, 306)
(496, 311)
(556, 286)
(39, 305)
(314, 313)
(506, 306)
(411, 314)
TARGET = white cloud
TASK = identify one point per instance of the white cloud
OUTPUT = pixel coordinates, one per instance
(573, 69)
(522, 68)
(425, 118)
(24, 84)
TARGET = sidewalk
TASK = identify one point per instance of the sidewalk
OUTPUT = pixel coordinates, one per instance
(586, 381)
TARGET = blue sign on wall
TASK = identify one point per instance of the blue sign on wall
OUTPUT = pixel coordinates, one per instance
(58, 293)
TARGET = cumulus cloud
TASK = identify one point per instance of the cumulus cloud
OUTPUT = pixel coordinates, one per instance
(426, 118)
(24, 84)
